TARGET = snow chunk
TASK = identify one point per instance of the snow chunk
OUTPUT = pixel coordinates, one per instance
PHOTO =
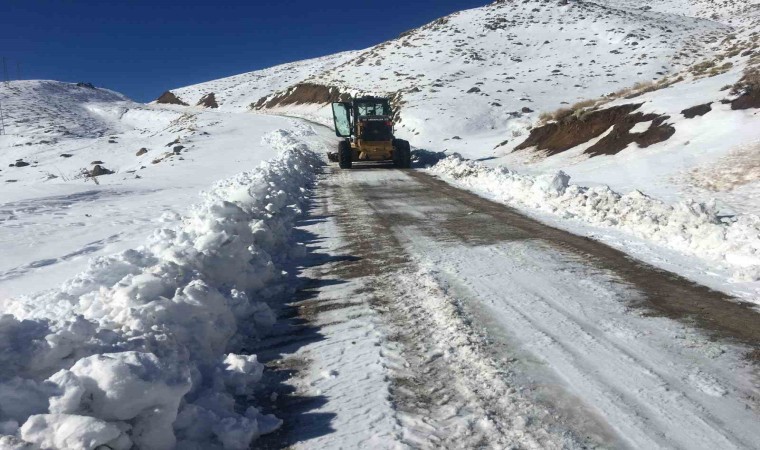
(554, 185)
(68, 432)
(129, 386)
(241, 371)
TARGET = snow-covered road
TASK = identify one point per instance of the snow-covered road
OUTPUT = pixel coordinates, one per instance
(433, 318)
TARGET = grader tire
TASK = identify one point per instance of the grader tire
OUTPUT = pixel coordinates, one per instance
(344, 155)
(403, 155)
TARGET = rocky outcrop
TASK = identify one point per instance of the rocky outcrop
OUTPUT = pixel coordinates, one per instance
(208, 101)
(99, 170)
(168, 98)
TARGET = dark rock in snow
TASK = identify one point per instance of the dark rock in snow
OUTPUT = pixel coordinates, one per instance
(168, 98)
(99, 170)
(699, 110)
(208, 101)
(142, 151)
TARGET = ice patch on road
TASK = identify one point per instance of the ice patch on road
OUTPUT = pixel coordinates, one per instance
(140, 349)
(689, 227)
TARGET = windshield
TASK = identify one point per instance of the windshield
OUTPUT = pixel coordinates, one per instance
(373, 108)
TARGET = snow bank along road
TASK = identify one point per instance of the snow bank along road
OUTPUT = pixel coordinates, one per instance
(434, 318)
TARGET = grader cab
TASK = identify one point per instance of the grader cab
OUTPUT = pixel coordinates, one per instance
(366, 126)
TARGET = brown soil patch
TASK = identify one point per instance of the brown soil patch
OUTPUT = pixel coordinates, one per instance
(168, 98)
(748, 89)
(208, 101)
(577, 129)
(699, 110)
(750, 99)
(302, 93)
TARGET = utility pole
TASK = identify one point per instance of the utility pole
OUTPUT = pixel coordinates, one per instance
(2, 121)
(18, 70)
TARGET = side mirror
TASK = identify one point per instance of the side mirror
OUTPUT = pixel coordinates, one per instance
(342, 119)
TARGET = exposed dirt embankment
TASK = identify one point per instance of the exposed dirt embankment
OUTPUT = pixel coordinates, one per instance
(577, 129)
(302, 93)
(168, 98)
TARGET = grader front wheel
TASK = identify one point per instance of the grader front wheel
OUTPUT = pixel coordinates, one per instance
(344, 155)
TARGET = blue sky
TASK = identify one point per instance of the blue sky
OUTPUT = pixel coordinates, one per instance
(142, 48)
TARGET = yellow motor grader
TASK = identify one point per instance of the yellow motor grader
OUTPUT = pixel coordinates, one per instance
(366, 126)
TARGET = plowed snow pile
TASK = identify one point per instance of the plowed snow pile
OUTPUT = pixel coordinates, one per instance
(689, 227)
(139, 349)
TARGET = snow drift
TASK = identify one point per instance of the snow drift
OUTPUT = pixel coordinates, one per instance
(689, 227)
(139, 349)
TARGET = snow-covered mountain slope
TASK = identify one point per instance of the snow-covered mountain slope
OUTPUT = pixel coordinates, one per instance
(476, 82)
(477, 73)
(239, 91)
(58, 130)
(52, 109)
(730, 12)
(54, 215)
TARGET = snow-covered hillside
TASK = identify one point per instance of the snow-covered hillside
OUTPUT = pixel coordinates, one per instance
(237, 93)
(51, 109)
(730, 12)
(476, 76)
(476, 82)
